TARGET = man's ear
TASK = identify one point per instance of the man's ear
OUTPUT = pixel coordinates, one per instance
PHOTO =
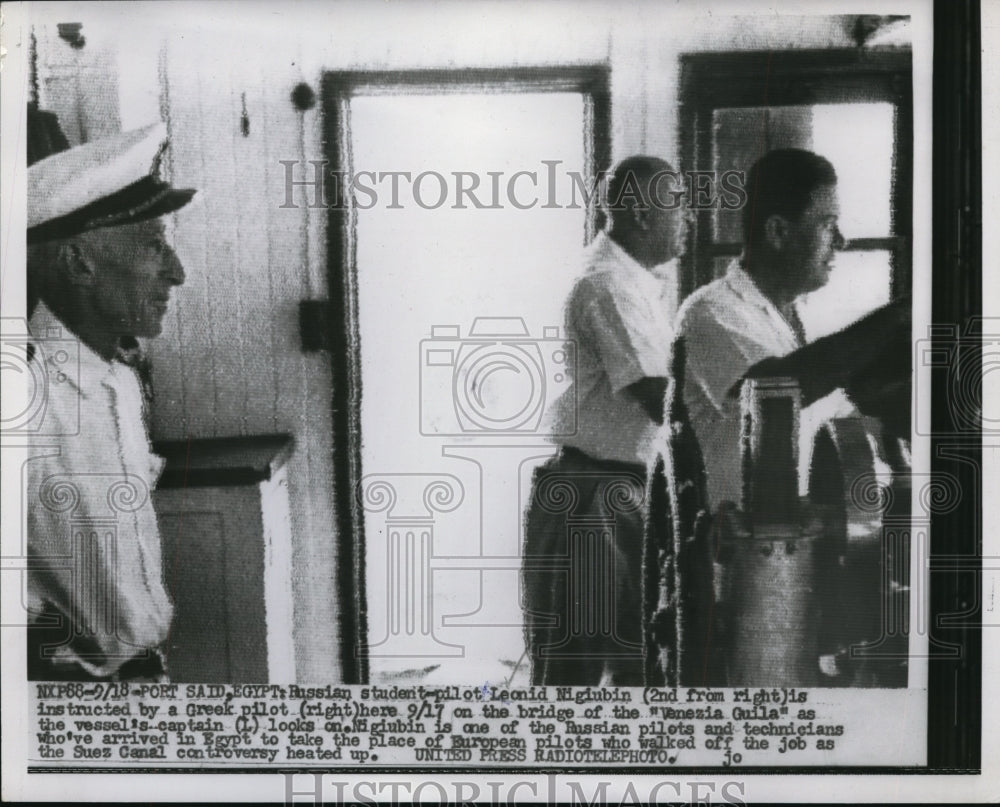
(640, 217)
(77, 266)
(776, 231)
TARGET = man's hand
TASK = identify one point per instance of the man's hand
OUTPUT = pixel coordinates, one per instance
(650, 393)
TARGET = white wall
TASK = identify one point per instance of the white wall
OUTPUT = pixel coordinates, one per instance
(229, 361)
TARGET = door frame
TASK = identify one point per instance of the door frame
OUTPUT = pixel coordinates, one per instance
(338, 88)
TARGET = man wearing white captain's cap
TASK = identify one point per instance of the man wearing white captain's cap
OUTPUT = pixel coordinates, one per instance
(103, 274)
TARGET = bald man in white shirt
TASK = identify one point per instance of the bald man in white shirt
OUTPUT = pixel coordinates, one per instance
(584, 524)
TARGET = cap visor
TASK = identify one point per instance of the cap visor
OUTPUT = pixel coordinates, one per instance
(147, 199)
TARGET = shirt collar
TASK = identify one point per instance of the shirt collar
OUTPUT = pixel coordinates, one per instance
(745, 287)
(90, 371)
(740, 281)
(608, 253)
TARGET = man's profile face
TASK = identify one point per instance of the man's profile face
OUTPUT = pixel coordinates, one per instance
(135, 270)
(813, 240)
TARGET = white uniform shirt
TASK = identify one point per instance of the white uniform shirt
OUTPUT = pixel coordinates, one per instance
(92, 532)
(728, 326)
(618, 315)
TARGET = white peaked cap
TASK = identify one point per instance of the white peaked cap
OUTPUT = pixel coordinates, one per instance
(108, 182)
